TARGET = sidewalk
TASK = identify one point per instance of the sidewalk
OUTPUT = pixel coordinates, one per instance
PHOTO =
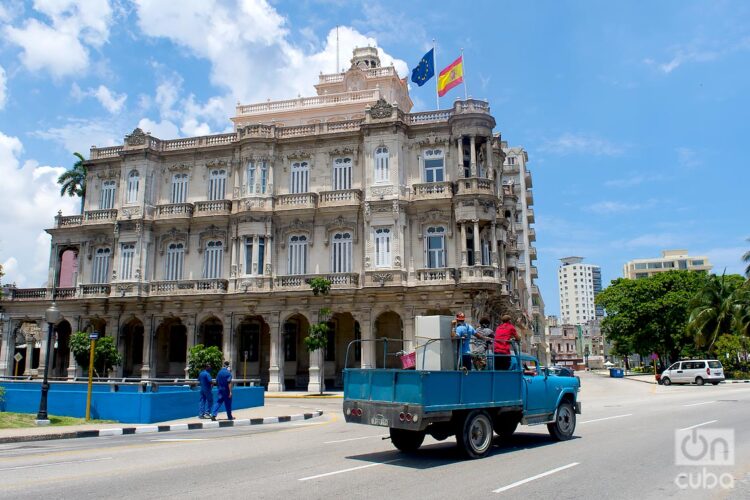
(269, 414)
(649, 378)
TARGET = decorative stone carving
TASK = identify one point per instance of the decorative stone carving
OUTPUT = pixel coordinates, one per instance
(340, 224)
(381, 110)
(397, 261)
(136, 138)
(381, 191)
(179, 167)
(343, 151)
(211, 233)
(130, 212)
(296, 226)
(433, 217)
(298, 155)
(434, 140)
(174, 235)
(382, 277)
(367, 210)
(108, 174)
(255, 203)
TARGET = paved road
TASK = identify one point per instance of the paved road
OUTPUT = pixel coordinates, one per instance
(624, 448)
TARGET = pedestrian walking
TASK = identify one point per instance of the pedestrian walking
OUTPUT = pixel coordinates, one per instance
(207, 398)
(224, 386)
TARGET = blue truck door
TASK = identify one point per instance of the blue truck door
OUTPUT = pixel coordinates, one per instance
(536, 393)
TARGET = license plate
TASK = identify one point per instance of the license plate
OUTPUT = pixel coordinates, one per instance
(382, 421)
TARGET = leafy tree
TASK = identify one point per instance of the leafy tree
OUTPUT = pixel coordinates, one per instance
(650, 314)
(200, 355)
(320, 286)
(73, 181)
(105, 352)
(746, 258)
(715, 308)
(732, 349)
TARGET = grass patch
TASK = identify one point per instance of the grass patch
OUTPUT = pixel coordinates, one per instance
(9, 420)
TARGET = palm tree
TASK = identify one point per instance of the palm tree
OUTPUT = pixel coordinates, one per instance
(746, 258)
(73, 181)
(715, 310)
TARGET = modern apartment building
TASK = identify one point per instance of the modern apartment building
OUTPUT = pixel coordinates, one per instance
(670, 260)
(212, 240)
(578, 284)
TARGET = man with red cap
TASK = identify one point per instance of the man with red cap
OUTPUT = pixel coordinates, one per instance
(464, 332)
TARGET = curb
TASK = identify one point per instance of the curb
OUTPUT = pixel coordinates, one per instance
(147, 429)
(303, 396)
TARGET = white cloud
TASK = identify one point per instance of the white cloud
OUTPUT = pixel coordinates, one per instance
(62, 46)
(80, 134)
(111, 101)
(32, 192)
(634, 180)
(163, 129)
(698, 51)
(613, 207)
(3, 88)
(726, 258)
(656, 241)
(688, 158)
(570, 143)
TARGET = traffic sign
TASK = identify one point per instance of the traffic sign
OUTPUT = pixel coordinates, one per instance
(93, 335)
(18, 357)
(654, 356)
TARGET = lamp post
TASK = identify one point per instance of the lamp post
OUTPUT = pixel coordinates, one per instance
(52, 315)
(586, 353)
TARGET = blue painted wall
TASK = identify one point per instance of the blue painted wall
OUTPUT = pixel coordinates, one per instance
(126, 405)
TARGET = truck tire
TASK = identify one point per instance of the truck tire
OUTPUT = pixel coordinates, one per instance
(505, 425)
(565, 422)
(474, 434)
(407, 441)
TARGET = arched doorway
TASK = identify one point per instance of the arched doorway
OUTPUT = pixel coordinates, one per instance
(389, 325)
(132, 338)
(342, 330)
(253, 349)
(296, 357)
(68, 268)
(211, 333)
(171, 348)
(61, 356)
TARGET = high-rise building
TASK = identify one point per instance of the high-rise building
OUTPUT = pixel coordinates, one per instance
(670, 260)
(579, 284)
(215, 239)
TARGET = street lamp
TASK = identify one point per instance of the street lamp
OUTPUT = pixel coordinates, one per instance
(52, 315)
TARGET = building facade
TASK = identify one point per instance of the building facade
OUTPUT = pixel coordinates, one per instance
(213, 240)
(579, 284)
(670, 260)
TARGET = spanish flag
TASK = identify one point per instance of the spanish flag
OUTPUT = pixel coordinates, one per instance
(451, 76)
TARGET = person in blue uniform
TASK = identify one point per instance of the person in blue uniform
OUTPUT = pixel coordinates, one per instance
(464, 332)
(224, 385)
(207, 399)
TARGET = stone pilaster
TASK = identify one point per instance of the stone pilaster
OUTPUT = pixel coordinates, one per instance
(276, 363)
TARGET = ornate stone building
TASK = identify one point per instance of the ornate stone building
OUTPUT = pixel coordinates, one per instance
(213, 239)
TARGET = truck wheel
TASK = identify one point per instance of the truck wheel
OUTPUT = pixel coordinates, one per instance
(474, 434)
(565, 422)
(666, 381)
(505, 426)
(407, 441)
(699, 380)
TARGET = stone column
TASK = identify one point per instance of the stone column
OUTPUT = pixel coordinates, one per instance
(72, 368)
(477, 245)
(148, 340)
(43, 327)
(5, 356)
(463, 243)
(409, 341)
(494, 244)
(460, 142)
(189, 332)
(30, 340)
(226, 338)
(368, 348)
(488, 158)
(276, 364)
(316, 383)
(267, 256)
(473, 153)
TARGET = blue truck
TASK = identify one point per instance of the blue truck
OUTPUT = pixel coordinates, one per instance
(468, 404)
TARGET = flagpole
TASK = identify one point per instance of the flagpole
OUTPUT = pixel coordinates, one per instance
(434, 56)
(463, 75)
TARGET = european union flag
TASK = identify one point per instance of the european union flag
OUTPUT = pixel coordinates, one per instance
(425, 69)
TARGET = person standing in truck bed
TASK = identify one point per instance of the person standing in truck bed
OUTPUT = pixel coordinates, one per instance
(464, 332)
(504, 334)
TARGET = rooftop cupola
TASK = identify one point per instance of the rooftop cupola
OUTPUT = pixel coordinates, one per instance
(365, 58)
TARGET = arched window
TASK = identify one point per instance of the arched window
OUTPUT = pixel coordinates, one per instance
(107, 199)
(435, 247)
(101, 266)
(212, 259)
(175, 261)
(300, 177)
(381, 164)
(341, 253)
(434, 165)
(263, 177)
(179, 188)
(127, 255)
(383, 247)
(297, 258)
(217, 183)
(134, 180)
(342, 174)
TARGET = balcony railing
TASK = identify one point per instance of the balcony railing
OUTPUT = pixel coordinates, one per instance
(433, 190)
(429, 117)
(217, 207)
(174, 210)
(27, 293)
(529, 197)
(530, 215)
(532, 234)
(340, 198)
(475, 185)
(472, 106)
(301, 281)
(441, 275)
(481, 274)
(188, 287)
(99, 216)
(68, 220)
(296, 201)
(385, 277)
(95, 290)
(308, 102)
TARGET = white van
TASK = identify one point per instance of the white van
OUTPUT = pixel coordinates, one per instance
(699, 371)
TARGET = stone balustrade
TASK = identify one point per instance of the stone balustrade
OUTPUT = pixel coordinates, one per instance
(432, 190)
(428, 117)
(99, 216)
(296, 201)
(475, 186)
(174, 210)
(188, 287)
(216, 207)
(110, 152)
(339, 198)
(23, 294)
(434, 276)
(94, 290)
(472, 106)
(479, 274)
(308, 102)
(68, 220)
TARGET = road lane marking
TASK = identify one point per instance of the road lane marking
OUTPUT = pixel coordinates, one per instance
(605, 418)
(534, 478)
(355, 439)
(697, 425)
(698, 404)
(349, 470)
(19, 467)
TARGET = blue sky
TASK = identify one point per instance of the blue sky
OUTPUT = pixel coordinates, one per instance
(633, 113)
